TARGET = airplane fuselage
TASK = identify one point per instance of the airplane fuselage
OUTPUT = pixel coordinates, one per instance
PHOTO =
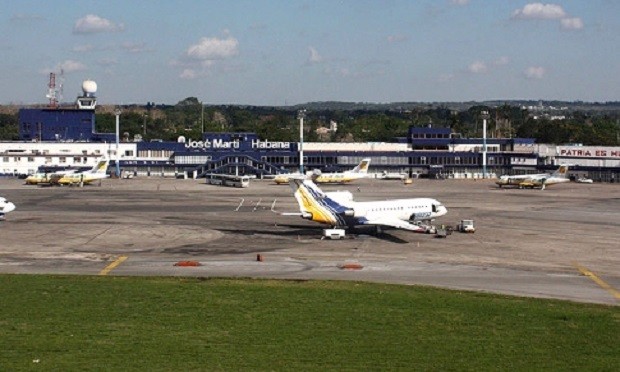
(530, 181)
(323, 178)
(360, 171)
(536, 180)
(5, 207)
(38, 178)
(45, 178)
(412, 210)
(338, 177)
(73, 179)
(349, 213)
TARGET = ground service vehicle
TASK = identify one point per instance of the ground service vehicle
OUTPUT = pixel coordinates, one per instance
(466, 226)
(334, 234)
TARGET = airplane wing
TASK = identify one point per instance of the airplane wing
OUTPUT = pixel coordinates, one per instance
(273, 209)
(396, 223)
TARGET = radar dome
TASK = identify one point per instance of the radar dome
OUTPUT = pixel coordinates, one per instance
(89, 87)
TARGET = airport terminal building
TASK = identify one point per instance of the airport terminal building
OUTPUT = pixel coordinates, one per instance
(61, 137)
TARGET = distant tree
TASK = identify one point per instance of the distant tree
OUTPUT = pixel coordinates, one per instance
(604, 133)
(189, 101)
(9, 129)
(529, 129)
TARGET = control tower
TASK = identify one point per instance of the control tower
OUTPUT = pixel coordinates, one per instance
(87, 101)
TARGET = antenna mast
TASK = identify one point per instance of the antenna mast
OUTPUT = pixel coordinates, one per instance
(51, 93)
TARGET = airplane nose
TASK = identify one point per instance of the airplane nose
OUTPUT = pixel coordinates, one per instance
(443, 210)
(8, 207)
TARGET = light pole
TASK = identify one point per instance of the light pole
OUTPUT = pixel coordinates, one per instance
(485, 116)
(144, 123)
(117, 112)
(202, 119)
(301, 115)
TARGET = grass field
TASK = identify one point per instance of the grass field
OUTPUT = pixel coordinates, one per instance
(121, 323)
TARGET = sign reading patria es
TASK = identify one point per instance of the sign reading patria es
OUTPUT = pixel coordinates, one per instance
(590, 152)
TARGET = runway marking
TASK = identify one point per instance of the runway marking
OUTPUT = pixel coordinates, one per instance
(113, 265)
(598, 280)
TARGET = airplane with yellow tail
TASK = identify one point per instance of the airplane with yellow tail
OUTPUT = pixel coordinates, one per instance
(339, 210)
(360, 171)
(98, 172)
(42, 178)
(535, 180)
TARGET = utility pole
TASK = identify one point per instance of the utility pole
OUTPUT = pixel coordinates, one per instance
(485, 116)
(301, 115)
(202, 118)
(117, 113)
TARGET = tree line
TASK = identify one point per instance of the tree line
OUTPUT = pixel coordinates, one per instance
(189, 118)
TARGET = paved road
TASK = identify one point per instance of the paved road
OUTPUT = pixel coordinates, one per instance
(558, 243)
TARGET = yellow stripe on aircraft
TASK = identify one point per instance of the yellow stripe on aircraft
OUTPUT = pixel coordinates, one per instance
(318, 211)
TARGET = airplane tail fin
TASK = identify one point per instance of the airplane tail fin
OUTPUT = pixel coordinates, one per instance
(362, 167)
(101, 166)
(314, 204)
(561, 172)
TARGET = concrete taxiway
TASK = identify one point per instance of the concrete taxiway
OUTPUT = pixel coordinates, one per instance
(558, 243)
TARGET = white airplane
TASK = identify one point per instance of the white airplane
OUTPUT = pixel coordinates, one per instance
(392, 176)
(339, 210)
(97, 172)
(360, 171)
(5, 207)
(536, 180)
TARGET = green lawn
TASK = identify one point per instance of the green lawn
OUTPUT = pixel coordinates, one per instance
(123, 323)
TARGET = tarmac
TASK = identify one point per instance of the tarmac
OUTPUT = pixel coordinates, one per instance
(560, 243)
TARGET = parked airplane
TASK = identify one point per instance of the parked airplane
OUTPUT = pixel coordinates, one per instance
(46, 178)
(392, 176)
(5, 207)
(360, 171)
(97, 172)
(536, 180)
(339, 210)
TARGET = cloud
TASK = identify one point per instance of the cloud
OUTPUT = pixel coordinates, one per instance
(188, 74)
(483, 67)
(539, 11)
(478, 67)
(459, 2)
(107, 62)
(257, 27)
(396, 38)
(571, 23)
(443, 78)
(552, 12)
(83, 48)
(199, 59)
(91, 24)
(135, 47)
(26, 18)
(314, 56)
(71, 66)
(67, 66)
(501, 61)
(535, 72)
(213, 48)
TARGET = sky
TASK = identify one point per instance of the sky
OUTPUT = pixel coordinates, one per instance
(288, 52)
